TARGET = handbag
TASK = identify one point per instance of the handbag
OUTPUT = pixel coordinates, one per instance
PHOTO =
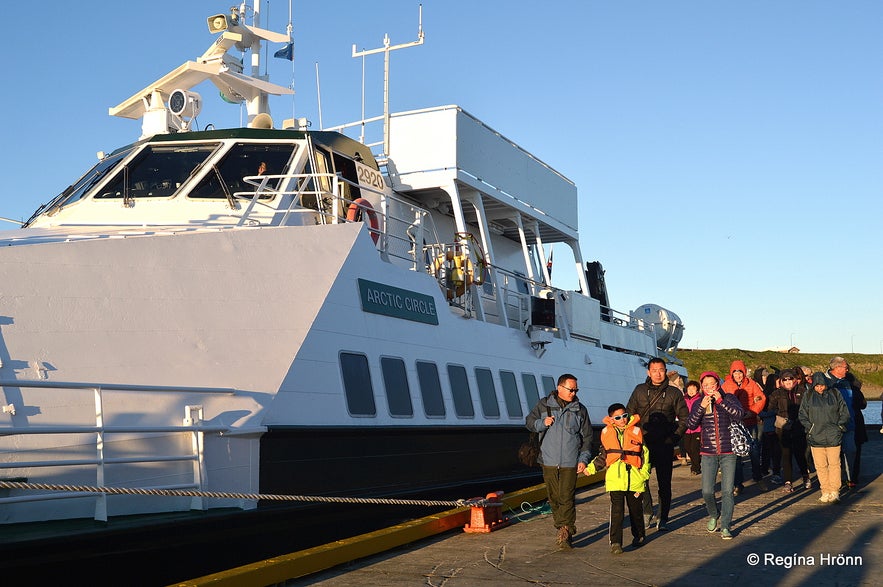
(781, 422)
(741, 439)
(529, 452)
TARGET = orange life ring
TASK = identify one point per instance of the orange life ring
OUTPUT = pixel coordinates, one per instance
(354, 214)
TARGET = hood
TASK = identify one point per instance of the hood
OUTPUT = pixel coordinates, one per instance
(738, 366)
(818, 378)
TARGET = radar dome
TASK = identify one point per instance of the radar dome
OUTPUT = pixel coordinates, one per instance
(666, 325)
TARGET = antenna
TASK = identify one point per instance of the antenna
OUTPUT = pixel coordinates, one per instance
(386, 50)
(319, 96)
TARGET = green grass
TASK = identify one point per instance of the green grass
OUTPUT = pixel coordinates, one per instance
(868, 368)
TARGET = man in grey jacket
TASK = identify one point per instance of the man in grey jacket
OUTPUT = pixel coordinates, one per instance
(565, 439)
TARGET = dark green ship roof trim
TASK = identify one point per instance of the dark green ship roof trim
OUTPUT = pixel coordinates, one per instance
(334, 141)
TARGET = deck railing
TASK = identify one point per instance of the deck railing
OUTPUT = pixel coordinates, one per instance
(192, 426)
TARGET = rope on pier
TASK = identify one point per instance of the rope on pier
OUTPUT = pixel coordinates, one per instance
(229, 495)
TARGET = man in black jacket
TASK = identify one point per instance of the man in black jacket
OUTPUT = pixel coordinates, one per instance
(663, 413)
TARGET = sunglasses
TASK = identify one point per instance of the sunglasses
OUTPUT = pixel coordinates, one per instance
(571, 389)
(787, 379)
(620, 417)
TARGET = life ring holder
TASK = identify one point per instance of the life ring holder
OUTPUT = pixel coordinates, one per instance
(460, 270)
(357, 211)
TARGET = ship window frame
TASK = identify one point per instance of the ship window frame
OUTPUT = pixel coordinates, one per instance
(131, 173)
(510, 394)
(534, 390)
(461, 392)
(396, 387)
(487, 392)
(358, 388)
(430, 389)
(247, 162)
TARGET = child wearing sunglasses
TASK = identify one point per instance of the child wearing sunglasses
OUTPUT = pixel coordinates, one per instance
(627, 461)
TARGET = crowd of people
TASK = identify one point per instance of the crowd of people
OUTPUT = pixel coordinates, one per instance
(795, 416)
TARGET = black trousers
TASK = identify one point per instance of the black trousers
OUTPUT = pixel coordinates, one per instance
(617, 512)
(661, 457)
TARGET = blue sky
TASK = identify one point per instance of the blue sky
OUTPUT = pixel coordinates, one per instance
(728, 155)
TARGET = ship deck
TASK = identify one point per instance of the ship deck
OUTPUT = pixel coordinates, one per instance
(839, 544)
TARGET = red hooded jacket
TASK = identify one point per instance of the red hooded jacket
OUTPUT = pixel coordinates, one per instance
(750, 394)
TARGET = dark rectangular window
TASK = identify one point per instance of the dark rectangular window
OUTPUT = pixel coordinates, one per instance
(430, 389)
(487, 393)
(529, 382)
(510, 394)
(395, 380)
(357, 384)
(549, 385)
(460, 391)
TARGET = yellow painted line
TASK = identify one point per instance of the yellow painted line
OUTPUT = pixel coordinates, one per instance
(305, 562)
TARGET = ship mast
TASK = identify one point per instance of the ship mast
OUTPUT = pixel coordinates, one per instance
(386, 49)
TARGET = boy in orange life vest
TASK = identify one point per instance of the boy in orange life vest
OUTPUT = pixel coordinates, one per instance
(627, 460)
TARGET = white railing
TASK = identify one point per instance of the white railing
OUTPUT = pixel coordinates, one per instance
(401, 225)
(191, 425)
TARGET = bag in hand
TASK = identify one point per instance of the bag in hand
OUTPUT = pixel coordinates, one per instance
(529, 452)
(741, 439)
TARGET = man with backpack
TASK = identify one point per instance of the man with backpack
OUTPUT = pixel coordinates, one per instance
(565, 439)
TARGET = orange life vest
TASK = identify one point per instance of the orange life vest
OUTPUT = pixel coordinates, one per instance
(630, 450)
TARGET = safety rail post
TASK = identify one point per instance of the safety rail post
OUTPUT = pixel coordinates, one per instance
(193, 417)
(101, 498)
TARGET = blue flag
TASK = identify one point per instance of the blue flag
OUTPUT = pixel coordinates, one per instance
(286, 52)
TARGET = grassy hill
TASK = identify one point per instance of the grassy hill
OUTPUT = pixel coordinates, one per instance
(868, 368)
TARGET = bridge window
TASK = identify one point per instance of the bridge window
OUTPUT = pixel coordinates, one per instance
(243, 160)
(157, 171)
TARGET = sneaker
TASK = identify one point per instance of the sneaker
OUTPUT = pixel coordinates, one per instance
(662, 526)
(725, 534)
(851, 485)
(825, 498)
(738, 489)
(638, 542)
(833, 497)
(776, 479)
(787, 488)
(807, 483)
(616, 549)
(712, 525)
(695, 472)
(649, 521)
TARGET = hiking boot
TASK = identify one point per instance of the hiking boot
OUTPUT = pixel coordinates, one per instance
(725, 534)
(712, 524)
(616, 549)
(564, 537)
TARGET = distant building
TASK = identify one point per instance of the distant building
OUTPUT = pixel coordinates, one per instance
(793, 349)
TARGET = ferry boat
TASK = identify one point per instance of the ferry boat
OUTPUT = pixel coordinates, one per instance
(266, 310)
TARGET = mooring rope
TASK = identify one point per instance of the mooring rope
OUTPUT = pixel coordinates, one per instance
(229, 495)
